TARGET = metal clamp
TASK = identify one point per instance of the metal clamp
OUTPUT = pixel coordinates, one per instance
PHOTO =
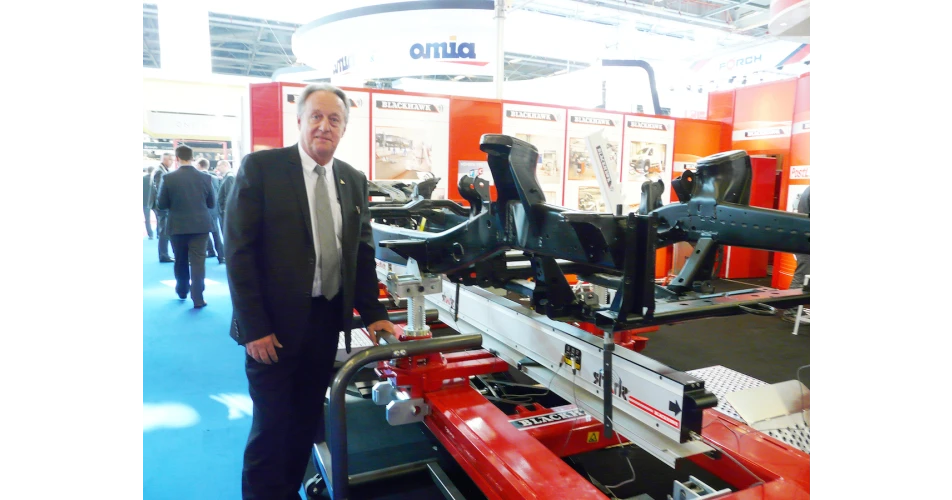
(407, 411)
(413, 286)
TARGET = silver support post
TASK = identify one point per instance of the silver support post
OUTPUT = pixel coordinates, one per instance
(500, 48)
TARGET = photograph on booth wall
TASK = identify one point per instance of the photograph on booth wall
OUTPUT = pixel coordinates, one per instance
(580, 165)
(647, 160)
(590, 199)
(403, 153)
(548, 168)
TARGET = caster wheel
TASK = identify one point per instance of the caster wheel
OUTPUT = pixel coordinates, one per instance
(314, 487)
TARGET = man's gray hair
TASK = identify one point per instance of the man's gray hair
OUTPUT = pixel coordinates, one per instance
(323, 87)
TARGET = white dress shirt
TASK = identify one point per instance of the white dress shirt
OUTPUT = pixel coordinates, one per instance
(310, 181)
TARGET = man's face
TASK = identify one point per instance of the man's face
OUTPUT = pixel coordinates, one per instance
(322, 125)
(167, 161)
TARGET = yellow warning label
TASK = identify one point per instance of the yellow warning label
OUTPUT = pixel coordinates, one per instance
(592, 437)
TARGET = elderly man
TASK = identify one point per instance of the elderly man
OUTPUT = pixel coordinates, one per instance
(300, 259)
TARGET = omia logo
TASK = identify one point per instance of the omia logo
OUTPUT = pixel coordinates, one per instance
(443, 50)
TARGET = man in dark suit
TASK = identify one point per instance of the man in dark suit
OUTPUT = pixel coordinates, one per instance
(216, 250)
(300, 259)
(803, 263)
(188, 195)
(147, 199)
(161, 216)
(227, 181)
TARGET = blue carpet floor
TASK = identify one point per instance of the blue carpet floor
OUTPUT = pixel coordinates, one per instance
(197, 412)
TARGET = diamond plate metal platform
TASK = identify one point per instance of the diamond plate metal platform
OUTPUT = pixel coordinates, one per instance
(722, 381)
(358, 338)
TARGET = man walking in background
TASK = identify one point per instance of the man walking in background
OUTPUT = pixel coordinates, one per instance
(216, 250)
(803, 264)
(188, 196)
(227, 181)
(161, 215)
(147, 199)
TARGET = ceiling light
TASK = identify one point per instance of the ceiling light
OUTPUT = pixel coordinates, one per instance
(783, 24)
(458, 77)
(514, 61)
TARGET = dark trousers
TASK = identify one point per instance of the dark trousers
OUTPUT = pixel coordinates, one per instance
(803, 269)
(148, 221)
(189, 250)
(161, 227)
(215, 239)
(288, 416)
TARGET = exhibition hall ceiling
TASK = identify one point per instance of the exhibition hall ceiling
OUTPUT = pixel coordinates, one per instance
(258, 45)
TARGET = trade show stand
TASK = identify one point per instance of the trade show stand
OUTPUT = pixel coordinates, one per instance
(400, 136)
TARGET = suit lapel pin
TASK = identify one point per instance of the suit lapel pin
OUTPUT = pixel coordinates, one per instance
(358, 210)
(342, 181)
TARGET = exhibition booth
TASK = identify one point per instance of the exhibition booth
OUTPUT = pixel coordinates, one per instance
(770, 121)
(447, 93)
(394, 135)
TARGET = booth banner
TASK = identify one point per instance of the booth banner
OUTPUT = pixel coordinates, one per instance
(800, 172)
(384, 41)
(169, 125)
(411, 136)
(582, 190)
(801, 127)
(764, 116)
(544, 128)
(762, 130)
(353, 144)
(648, 155)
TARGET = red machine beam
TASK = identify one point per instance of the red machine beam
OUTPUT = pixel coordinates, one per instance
(504, 462)
(784, 469)
(569, 435)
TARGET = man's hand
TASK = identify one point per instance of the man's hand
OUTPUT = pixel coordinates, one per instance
(379, 326)
(263, 349)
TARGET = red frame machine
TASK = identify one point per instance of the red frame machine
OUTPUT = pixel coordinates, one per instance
(519, 456)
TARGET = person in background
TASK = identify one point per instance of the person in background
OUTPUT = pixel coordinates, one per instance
(803, 264)
(227, 181)
(188, 196)
(300, 259)
(214, 246)
(147, 199)
(161, 216)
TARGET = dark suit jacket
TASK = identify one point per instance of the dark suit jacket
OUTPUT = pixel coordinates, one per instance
(224, 191)
(157, 175)
(216, 186)
(147, 190)
(803, 206)
(188, 196)
(270, 248)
